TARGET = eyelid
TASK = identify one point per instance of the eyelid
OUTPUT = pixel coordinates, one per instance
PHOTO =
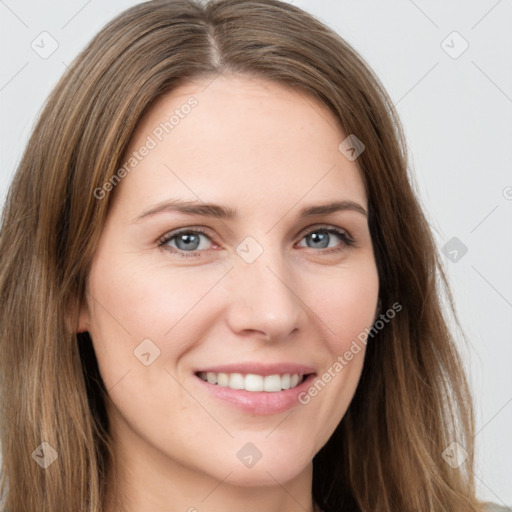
(167, 237)
(327, 227)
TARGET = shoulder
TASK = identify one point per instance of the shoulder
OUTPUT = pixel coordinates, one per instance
(492, 507)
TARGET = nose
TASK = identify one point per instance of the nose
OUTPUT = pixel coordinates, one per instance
(265, 298)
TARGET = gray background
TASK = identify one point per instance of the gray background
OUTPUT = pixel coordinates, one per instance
(456, 108)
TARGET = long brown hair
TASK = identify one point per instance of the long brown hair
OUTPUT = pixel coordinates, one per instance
(412, 400)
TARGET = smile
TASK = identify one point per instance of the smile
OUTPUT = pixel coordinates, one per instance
(253, 382)
(256, 388)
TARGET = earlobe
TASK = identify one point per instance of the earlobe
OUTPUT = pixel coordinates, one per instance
(83, 318)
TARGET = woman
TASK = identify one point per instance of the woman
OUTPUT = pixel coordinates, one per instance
(211, 230)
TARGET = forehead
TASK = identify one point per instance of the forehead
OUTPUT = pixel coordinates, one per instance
(239, 140)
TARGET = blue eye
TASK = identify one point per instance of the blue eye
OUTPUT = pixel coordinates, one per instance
(186, 240)
(322, 238)
(191, 242)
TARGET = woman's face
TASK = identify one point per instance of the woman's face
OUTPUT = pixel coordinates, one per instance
(223, 258)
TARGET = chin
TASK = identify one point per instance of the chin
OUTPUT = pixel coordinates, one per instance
(271, 463)
(269, 474)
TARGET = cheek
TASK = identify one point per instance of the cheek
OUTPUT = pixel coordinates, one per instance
(347, 310)
(131, 303)
(348, 304)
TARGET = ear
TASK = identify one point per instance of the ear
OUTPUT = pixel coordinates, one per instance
(77, 315)
(83, 317)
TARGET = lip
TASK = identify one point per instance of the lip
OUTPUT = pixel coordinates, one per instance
(259, 403)
(259, 368)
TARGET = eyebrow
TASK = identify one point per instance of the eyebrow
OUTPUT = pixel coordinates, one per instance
(223, 212)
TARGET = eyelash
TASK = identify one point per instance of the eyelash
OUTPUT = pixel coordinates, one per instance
(347, 240)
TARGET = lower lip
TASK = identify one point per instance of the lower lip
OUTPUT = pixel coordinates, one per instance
(259, 402)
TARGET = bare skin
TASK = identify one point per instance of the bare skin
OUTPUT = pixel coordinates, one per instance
(266, 152)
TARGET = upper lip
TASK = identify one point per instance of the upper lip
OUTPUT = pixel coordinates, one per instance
(260, 368)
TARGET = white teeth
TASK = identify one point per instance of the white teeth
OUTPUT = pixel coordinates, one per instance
(272, 383)
(223, 379)
(253, 382)
(236, 381)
